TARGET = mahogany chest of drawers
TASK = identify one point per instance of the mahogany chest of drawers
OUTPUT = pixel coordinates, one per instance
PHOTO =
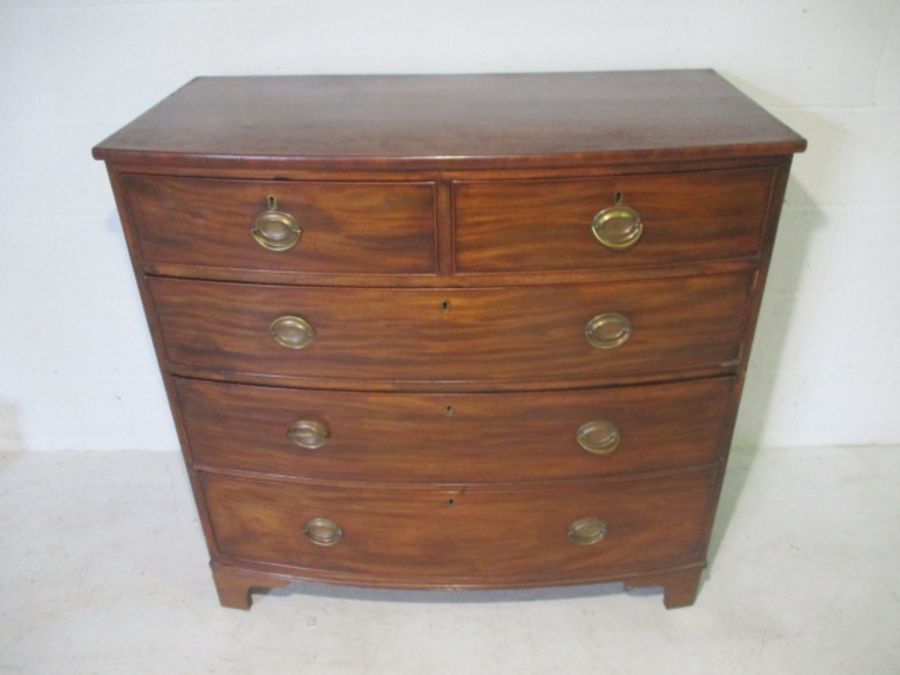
(453, 331)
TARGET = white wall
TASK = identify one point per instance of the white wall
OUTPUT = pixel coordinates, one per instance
(76, 365)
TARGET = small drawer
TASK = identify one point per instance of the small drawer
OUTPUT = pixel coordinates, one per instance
(541, 333)
(414, 535)
(455, 438)
(299, 226)
(590, 223)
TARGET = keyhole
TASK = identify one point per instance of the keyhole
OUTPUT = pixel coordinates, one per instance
(271, 202)
(451, 502)
(618, 198)
(448, 411)
(445, 307)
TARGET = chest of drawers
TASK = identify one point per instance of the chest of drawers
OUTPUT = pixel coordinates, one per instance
(453, 331)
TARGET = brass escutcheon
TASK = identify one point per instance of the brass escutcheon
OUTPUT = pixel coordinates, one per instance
(599, 437)
(292, 332)
(308, 434)
(586, 531)
(617, 227)
(608, 331)
(275, 230)
(323, 531)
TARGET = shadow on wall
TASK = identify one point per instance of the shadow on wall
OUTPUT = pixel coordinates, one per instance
(112, 223)
(795, 231)
(11, 440)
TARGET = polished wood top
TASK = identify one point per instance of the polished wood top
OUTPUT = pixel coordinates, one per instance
(452, 121)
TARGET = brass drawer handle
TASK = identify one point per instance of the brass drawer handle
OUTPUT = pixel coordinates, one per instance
(586, 531)
(292, 332)
(599, 437)
(608, 331)
(323, 531)
(308, 434)
(275, 230)
(617, 227)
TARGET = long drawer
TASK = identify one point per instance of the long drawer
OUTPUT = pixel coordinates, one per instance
(453, 438)
(513, 334)
(414, 534)
(588, 223)
(313, 226)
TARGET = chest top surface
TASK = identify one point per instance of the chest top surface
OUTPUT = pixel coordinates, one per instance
(452, 121)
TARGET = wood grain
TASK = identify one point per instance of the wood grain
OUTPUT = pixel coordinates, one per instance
(452, 438)
(545, 225)
(496, 334)
(451, 121)
(449, 536)
(351, 227)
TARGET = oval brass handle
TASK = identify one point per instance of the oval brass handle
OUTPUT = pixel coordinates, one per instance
(617, 227)
(323, 531)
(585, 531)
(292, 332)
(308, 434)
(599, 437)
(275, 230)
(608, 331)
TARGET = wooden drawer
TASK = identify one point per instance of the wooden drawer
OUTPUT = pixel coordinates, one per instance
(345, 226)
(453, 438)
(497, 334)
(542, 225)
(467, 534)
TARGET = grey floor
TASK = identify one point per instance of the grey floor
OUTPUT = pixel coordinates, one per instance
(103, 570)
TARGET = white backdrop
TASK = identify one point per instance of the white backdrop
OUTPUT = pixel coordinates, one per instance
(76, 364)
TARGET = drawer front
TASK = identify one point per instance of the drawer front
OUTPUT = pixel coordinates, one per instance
(453, 438)
(539, 225)
(414, 534)
(343, 227)
(508, 334)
